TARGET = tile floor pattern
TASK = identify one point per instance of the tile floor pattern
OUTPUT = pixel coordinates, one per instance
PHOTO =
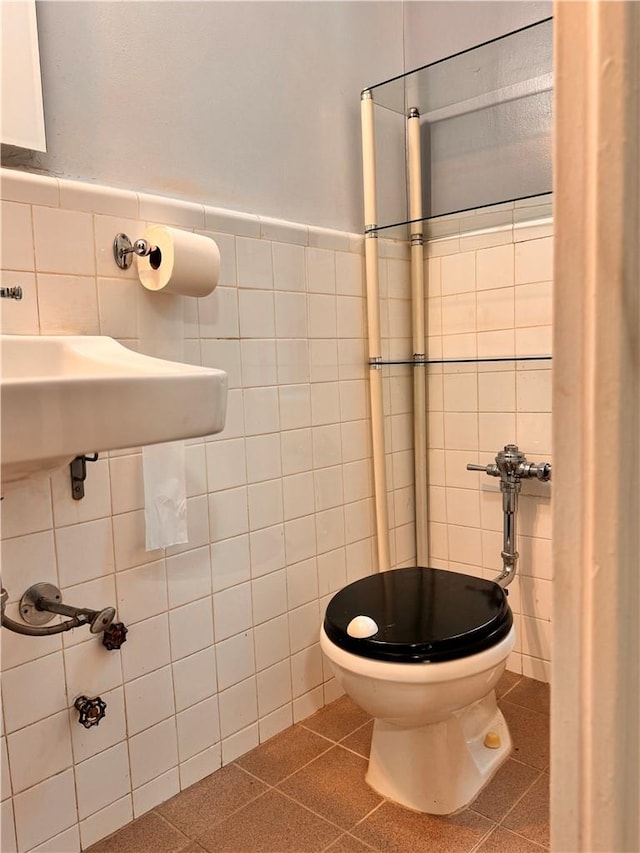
(304, 791)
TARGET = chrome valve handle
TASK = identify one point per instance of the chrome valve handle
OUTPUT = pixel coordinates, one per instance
(491, 469)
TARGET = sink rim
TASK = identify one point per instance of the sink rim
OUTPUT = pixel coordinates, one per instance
(111, 398)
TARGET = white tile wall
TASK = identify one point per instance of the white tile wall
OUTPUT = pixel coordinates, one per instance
(495, 301)
(222, 631)
(222, 650)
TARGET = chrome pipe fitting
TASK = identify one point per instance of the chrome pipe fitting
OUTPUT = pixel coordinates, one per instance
(124, 249)
(11, 292)
(511, 466)
(41, 602)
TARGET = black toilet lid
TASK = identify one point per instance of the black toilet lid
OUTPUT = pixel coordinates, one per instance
(422, 615)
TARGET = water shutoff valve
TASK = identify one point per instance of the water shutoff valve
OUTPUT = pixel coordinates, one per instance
(90, 711)
(114, 636)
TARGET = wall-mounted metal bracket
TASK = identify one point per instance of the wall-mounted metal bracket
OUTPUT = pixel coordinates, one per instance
(42, 601)
(124, 250)
(79, 475)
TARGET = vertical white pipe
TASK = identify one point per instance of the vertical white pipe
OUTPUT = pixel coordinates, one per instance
(373, 327)
(414, 169)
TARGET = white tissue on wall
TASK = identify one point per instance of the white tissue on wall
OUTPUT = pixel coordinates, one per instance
(165, 495)
(160, 333)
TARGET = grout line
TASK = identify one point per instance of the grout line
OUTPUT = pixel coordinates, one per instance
(353, 752)
(524, 837)
(489, 831)
(311, 811)
(520, 798)
(297, 770)
(541, 714)
(249, 773)
(527, 708)
(215, 822)
(314, 732)
(164, 819)
(499, 699)
(349, 835)
(374, 809)
(121, 829)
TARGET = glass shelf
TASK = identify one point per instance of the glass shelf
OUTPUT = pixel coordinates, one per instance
(486, 125)
(429, 361)
(516, 212)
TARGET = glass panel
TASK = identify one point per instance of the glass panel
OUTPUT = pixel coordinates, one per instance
(486, 126)
(516, 213)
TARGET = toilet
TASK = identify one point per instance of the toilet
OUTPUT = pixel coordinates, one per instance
(432, 647)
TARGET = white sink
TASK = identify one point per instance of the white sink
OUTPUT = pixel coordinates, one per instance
(62, 397)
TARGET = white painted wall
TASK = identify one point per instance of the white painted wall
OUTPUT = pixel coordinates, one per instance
(502, 151)
(246, 105)
(434, 29)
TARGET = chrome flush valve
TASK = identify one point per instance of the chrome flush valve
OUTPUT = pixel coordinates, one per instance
(511, 466)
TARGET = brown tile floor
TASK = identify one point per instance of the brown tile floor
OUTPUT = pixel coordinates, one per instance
(304, 791)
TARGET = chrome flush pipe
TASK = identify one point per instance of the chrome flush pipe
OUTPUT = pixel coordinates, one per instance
(512, 467)
(510, 491)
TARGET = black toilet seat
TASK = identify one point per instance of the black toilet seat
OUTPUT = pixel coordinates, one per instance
(422, 614)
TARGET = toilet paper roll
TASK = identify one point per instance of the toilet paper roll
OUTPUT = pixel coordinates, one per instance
(180, 262)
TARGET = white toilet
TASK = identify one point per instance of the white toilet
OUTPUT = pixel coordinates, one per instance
(436, 649)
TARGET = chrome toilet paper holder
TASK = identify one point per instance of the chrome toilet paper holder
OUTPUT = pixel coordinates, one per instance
(124, 249)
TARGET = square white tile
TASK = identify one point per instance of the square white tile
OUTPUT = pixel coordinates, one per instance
(153, 752)
(269, 595)
(232, 611)
(191, 628)
(188, 576)
(102, 780)
(33, 691)
(235, 659)
(271, 642)
(45, 810)
(255, 267)
(147, 647)
(238, 707)
(228, 515)
(230, 562)
(17, 237)
(267, 550)
(198, 728)
(149, 700)
(194, 678)
(51, 227)
(274, 687)
(50, 740)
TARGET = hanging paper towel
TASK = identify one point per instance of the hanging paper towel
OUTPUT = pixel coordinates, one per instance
(180, 262)
(165, 501)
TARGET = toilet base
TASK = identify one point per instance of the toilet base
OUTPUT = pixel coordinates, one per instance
(441, 767)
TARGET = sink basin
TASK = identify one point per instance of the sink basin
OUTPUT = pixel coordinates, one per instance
(62, 397)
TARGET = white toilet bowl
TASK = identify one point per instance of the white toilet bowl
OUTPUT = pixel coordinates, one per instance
(430, 692)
